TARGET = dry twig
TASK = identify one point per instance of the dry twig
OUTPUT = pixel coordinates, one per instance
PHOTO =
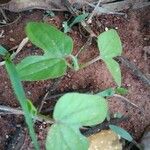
(93, 12)
(38, 117)
(19, 48)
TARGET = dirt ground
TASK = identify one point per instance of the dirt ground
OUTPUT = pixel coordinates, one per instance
(135, 35)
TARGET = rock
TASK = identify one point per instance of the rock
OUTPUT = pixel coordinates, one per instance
(105, 140)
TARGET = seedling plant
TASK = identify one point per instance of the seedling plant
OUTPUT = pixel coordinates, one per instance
(73, 110)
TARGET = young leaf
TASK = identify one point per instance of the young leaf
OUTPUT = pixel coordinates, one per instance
(20, 94)
(35, 68)
(66, 27)
(120, 131)
(121, 90)
(64, 137)
(80, 109)
(114, 69)
(3, 51)
(106, 93)
(79, 19)
(109, 44)
(50, 39)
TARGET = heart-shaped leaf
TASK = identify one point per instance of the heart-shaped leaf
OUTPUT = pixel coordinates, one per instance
(63, 137)
(50, 39)
(109, 44)
(35, 68)
(80, 109)
(120, 131)
(114, 69)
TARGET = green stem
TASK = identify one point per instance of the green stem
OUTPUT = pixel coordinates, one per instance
(44, 118)
(69, 65)
(75, 62)
(90, 62)
(137, 145)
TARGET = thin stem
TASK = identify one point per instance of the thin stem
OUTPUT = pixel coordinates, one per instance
(21, 45)
(136, 71)
(93, 12)
(70, 66)
(128, 101)
(88, 43)
(11, 110)
(2, 34)
(90, 62)
(137, 145)
(50, 89)
(4, 15)
(38, 117)
(54, 96)
(19, 48)
(43, 101)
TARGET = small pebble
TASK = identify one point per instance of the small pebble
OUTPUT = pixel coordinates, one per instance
(11, 31)
(29, 45)
(106, 29)
(7, 136)
(12, 40)
(29, 93)
(128, 85)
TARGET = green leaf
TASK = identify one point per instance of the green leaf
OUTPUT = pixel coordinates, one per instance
(20, 94)
(80, 109)
(106, 93)
(66, 27)
(63, 137)
(109, 44)
(3, 51)
(50, 39)
(79, 19)
(120, 131)
(121, 90)
(35, 68)
(114, 69)
(31, 108)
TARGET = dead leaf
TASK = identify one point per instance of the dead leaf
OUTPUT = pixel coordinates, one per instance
(106, 6)
(23, 5)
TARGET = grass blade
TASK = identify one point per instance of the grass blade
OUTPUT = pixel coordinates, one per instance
(20, 94)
